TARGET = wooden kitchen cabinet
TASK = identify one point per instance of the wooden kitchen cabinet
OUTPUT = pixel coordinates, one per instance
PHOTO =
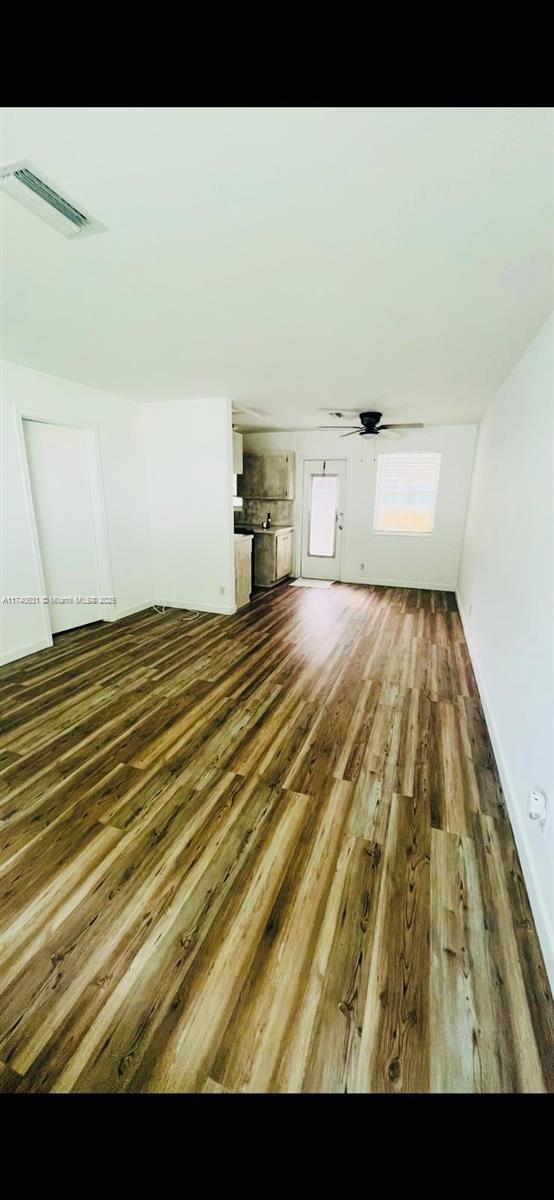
(283, 554)
(267, 476)
(243, 570)
(272, 556)
(274, 477)
(249, 484)
(237, 453)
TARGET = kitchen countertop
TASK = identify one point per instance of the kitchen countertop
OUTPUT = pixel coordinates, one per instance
(258, 529)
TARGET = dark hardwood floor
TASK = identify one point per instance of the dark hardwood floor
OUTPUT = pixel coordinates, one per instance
(263, 853)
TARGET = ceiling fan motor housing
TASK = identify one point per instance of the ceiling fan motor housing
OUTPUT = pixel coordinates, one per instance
(370, 419)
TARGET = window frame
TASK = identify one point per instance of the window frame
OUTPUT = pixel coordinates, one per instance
(378, 492)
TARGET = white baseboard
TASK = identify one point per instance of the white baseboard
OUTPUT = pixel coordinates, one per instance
(134, 608)
(540, 913)
(21, 651)
(227, 610)
(426, 587)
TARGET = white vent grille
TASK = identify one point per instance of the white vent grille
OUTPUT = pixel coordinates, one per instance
(22, 181)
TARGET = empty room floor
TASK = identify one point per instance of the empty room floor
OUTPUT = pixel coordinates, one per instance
(263, 853)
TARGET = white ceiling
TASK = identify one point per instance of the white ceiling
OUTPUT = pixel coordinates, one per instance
(292, 259)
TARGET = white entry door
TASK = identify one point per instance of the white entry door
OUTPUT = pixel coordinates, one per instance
(62, 501)
(323, 518)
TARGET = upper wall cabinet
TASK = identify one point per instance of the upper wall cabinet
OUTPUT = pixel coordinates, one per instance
(267, 477)
(237, 453)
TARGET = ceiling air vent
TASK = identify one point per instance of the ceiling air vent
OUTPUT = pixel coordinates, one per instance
(22, 181)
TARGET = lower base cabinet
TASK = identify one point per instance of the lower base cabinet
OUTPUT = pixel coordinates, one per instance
(243, 570)
(272, 557)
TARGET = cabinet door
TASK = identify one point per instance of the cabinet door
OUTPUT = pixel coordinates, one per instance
(243, 572)
(288, 476)
(284, 554)
(267, 477)
(265, 565)
(290, 472)
(274, 476)
(249, 484)
(237, 453)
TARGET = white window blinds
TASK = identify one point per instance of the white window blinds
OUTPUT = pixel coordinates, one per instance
(323, 515)
(406, 493)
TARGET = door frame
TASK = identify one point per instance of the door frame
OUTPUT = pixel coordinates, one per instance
(302, 459)
(98, 503)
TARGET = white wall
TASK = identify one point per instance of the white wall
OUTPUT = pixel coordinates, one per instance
(430, 561)
(189, 460)
(24, 629)
(506, 600)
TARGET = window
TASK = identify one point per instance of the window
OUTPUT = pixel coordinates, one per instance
(406, 493)
(323, 516)
(237, 500)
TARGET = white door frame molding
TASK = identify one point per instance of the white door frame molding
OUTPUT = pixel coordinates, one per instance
(303, 500)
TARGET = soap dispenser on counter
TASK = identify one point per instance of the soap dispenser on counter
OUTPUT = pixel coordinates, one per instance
(268, 521)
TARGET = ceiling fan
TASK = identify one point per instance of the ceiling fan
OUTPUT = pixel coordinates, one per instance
(370, 424)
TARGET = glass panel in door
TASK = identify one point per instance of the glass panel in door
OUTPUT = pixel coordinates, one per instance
(322, 518)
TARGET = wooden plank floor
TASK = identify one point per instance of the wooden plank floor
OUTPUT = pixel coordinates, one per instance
(265, 853)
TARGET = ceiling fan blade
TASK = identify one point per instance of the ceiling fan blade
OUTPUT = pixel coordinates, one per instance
(360, 430)
(416, 425)
(340, 426)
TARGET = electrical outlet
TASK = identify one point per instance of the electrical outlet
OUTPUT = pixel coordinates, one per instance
(222, 590)
(362, 566)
